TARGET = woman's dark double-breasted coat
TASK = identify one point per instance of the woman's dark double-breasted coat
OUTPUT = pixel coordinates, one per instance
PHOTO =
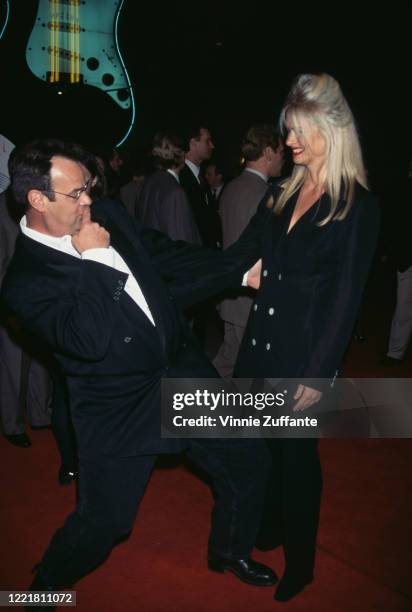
(311, 288)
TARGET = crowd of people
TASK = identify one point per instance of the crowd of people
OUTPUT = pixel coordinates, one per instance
(109, 286)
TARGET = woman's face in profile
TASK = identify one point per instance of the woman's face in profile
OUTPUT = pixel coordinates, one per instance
(306, 142)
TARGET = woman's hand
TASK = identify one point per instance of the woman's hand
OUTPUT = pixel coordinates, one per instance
(306, 396)
(253, 276)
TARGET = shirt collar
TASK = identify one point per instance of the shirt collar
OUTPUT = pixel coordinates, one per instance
(253, 171)
(174, 174)
(195, 169)
(59, 243)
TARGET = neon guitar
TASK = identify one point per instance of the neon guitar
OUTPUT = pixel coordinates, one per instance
(74, 42)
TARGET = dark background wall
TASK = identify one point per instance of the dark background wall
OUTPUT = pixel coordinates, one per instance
(229, 67)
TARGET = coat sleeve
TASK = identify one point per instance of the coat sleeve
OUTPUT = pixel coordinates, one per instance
(194, 273)
(75, 320)
(336, 319)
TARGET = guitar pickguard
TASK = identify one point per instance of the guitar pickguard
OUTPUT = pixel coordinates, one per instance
(75, 41)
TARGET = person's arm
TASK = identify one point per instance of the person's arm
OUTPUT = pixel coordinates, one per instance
(195, 273)
(335, 319)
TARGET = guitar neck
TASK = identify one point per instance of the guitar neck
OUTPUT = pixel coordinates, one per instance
(64, 48)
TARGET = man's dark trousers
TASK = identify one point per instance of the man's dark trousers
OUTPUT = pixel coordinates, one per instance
(110, 490)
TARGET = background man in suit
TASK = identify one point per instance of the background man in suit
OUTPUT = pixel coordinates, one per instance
(94, 291)
(198, 148)
(163, 203)
(24, 381)
(215, 178)
(263, 154)
(130, 192)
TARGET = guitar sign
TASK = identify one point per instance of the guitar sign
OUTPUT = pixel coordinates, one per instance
(75, 42)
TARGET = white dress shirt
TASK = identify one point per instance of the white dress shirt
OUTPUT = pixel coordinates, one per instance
(106, 256)
(195, 169)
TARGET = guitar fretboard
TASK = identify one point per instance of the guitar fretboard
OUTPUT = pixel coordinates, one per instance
(64, 48)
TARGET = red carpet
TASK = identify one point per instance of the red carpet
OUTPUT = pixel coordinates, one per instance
(364, 548)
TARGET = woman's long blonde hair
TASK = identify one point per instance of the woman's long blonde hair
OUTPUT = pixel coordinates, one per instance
(318, 99)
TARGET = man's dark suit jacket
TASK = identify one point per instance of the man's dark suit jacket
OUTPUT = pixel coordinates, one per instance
(205, 214)
(163, 206)
(112, 355)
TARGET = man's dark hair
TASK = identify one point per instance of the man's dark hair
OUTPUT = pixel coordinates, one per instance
(167, 150)
(257, 138)
(30, 164)
(189, 131)
(219, 165)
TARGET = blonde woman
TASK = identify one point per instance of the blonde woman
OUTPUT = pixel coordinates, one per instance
(317, 251)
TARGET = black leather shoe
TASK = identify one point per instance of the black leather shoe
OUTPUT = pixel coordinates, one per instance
(21, 440)
(39, 584)
(245, 569)
(289, 586)
(67, 474)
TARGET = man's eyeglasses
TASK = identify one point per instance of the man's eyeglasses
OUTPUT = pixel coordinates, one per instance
(75, 195)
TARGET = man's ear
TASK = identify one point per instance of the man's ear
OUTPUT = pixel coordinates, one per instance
(37, 200)
(268, 153)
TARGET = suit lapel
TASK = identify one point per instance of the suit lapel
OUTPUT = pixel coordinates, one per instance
(130, 249)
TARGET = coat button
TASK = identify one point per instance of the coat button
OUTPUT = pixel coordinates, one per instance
(280, 276)
(127, 339)
(117, 293)
(268, 346)
(271, 311)
(265, 272)
(255, 307)
(120, 283)
(116, 299)
(253, 342)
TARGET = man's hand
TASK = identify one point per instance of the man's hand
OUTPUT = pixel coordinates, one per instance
(306, 396)
(90, 235)
(253, 276)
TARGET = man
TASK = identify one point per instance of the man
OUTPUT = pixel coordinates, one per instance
(130, 192)
(163, 204)
(215, 179)
(263, 154)
(199, 148)
(24, 381)
(93, 290)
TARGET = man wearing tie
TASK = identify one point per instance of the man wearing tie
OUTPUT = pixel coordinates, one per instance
(199, 148)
